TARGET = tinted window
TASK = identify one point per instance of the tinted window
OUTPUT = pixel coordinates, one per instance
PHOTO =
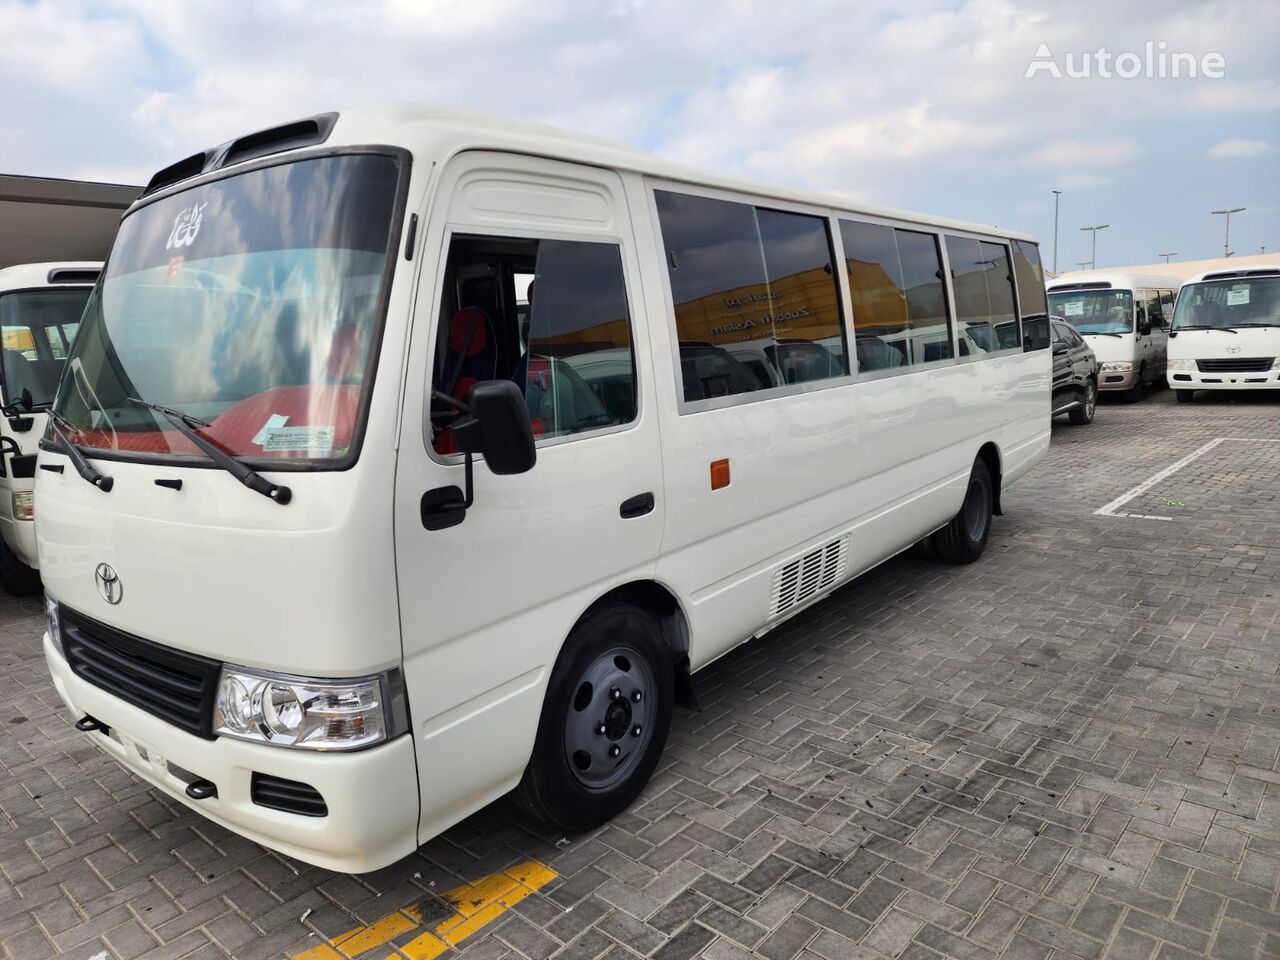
(38, 326)
(753, 289)
(983, 283)
(1031, 295)
(899, 300)
(550, 315)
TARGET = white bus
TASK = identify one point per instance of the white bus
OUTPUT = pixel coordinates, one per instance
(373, 556)
(40, 308)
(1124, 319)
(1226, 332)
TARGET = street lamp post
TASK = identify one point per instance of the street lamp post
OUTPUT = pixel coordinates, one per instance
(1093, 256)
(1167, 255)
(1056, 195)
(1226, 233)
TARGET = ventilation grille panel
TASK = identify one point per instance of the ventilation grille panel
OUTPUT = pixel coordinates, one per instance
(807, 576)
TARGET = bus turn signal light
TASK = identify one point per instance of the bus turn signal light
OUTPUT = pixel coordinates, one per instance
(719, 474)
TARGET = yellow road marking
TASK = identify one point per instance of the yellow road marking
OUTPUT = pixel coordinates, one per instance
(475, 904)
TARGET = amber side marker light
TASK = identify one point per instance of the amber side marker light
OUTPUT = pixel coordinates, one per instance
(719, 474)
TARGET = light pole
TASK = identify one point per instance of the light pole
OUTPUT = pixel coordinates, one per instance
(1167, 255)
(1226, 234)
(1056, 195)
(1093, 256)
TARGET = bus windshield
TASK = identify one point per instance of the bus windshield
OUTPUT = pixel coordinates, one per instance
(250, 304)
(39, 327)
(1217, 305)
(1094, 311)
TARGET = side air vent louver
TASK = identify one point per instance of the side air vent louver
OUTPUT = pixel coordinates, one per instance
(72, 275)
(287, 795)
(806, 576)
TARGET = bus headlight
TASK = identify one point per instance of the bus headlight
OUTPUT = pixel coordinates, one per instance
(309, 714)
(1276, 364)
(52, 623)
(24, 505)
(1117, 366)
(1182, 364)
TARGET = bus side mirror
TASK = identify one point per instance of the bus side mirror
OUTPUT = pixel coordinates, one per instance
(494, 424)
(498, 428)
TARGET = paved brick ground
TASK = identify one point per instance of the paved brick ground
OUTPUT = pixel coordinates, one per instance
(1067, 750)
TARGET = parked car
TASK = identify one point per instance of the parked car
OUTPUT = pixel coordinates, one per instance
(1075, 374)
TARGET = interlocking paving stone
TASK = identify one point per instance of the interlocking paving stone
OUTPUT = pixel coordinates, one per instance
(1069, 749)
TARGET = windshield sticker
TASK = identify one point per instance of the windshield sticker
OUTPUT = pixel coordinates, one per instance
(175, 264)
(1237, 296)
(310, 439)
(273, 421)
(1073, 308)
(185, 226)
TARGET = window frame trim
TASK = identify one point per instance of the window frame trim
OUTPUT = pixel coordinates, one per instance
(452, 229)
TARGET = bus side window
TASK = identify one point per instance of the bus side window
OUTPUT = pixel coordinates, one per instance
(1033, 304)
(552, 316)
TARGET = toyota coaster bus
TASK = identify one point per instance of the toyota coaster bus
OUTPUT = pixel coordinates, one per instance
(40, 307)
(1123, 319)
(341, 541)
(1226, 332)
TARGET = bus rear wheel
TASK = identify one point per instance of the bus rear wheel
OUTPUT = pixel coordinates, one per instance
(604, 720)
(965, 537)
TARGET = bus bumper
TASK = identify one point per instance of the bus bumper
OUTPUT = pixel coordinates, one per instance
(20, 535)
(1194, 380)
(1117, 380)
(371, 795)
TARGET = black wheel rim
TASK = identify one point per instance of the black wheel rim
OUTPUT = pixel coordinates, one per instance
(609, 722)
(975, 510)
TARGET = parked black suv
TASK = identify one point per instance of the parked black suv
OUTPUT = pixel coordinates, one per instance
(1075, 374)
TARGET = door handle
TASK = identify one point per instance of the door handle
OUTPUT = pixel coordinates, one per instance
(636, 506)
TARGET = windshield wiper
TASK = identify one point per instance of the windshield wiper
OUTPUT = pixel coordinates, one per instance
(1203, 326)
(188, 419)
(1252, 324)
(1100, 333)
(185, 424)
(83, 467)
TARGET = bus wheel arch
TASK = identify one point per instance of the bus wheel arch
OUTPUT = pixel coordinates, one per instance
(657, 599)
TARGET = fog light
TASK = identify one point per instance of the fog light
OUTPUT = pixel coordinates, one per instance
(51, 622)
(24, 505)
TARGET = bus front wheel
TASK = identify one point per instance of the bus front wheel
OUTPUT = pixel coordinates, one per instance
(965, 537)
(604, 719)
(1184, 396)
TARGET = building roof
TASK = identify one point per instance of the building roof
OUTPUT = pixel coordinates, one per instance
(44, 219)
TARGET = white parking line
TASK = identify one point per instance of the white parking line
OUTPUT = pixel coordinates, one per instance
(1110, 509)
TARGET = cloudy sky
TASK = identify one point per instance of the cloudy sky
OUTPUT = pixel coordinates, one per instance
(922, 104)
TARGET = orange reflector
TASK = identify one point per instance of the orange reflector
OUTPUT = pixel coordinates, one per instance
(719, 474)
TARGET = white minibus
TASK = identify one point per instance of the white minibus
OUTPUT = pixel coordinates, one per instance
(341, 541)
(40, 308)
(1226, 332)
(1124, 318)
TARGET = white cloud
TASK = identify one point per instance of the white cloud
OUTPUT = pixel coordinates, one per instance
(1236, 147)
(1086, 153)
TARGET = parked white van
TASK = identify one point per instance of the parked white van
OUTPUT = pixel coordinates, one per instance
(1226, 332)
(40, 308)
(283, 586)
(1123, 317)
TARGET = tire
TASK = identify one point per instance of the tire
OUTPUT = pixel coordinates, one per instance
(1139, 389)
(1083, 414)
(965, 537)
(1185, 396)
(15, 576)
(574, 780)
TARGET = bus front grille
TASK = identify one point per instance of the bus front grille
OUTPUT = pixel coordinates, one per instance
(1235, 364)
(175, 686)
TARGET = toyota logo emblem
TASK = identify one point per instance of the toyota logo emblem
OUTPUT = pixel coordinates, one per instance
(108, 582)
(1233, 349)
